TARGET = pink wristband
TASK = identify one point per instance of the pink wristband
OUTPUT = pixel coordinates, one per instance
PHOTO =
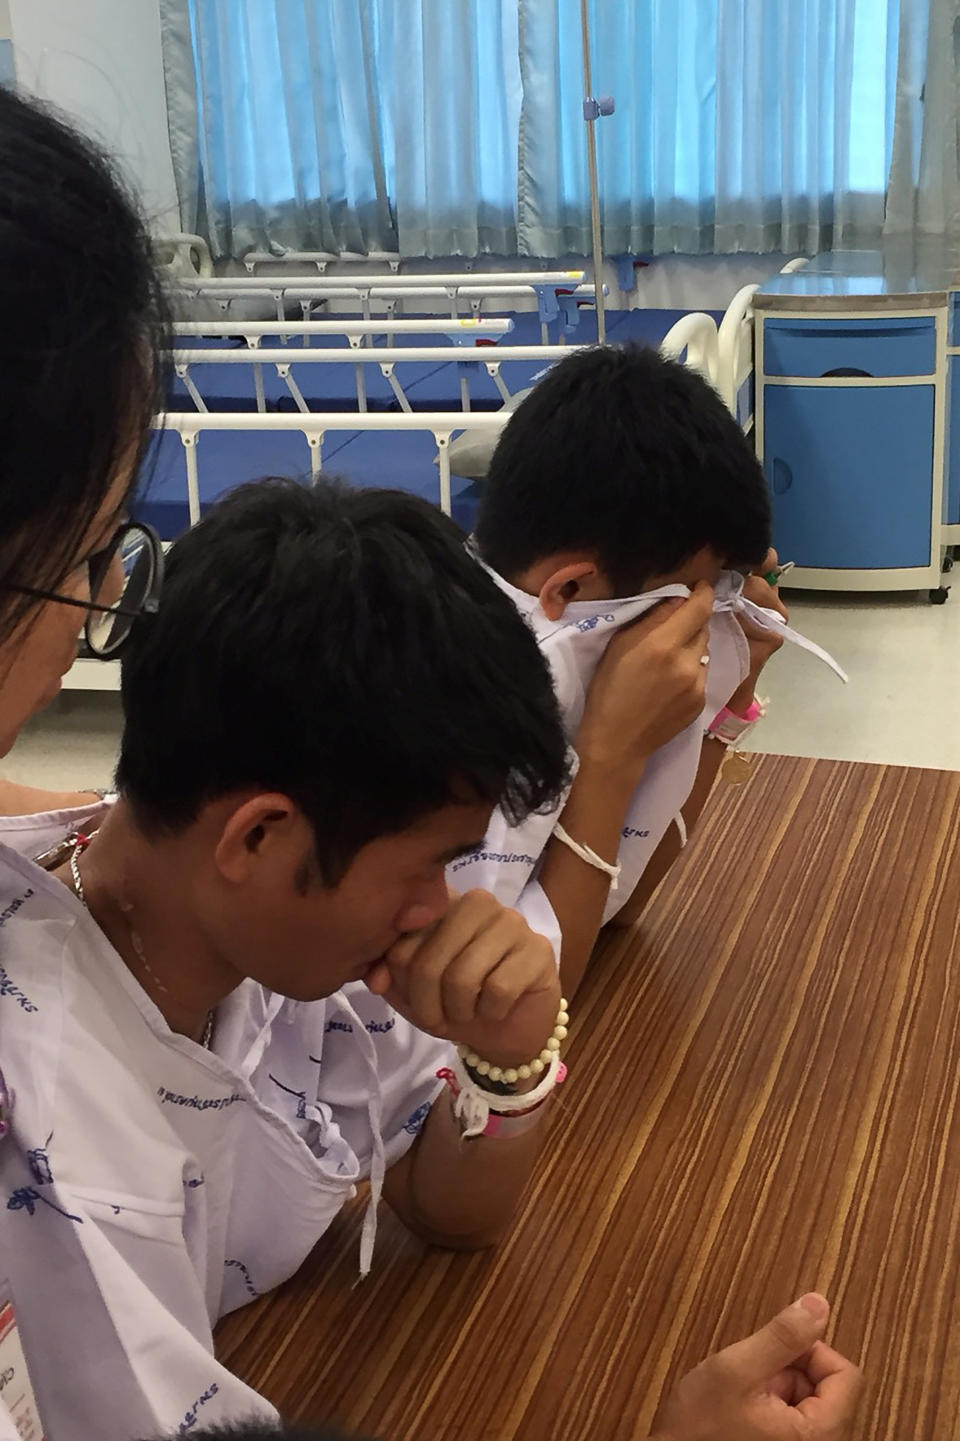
(754, 712)
(729, 727)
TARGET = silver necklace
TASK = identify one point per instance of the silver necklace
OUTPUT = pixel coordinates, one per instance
(81, 844)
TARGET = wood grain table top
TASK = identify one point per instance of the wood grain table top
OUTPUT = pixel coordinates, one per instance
(763, 1100)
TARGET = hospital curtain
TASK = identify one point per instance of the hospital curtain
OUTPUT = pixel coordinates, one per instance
(454, 127)
(740, 125)
(345, 124)
(924, 194)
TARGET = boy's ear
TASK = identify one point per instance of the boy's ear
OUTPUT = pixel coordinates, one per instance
(264, 838)
(566, 584)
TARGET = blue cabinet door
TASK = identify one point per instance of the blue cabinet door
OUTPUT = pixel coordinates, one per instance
(951, 479)
(851, 474)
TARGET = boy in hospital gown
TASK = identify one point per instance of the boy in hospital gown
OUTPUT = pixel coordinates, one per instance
(233, 1003)
(620, 488)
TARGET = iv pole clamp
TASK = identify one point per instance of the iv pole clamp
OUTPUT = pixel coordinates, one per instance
(593, 110)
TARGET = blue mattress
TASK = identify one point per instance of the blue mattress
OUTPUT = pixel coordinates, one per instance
(403, 460)
(648, 327)
(225, 459)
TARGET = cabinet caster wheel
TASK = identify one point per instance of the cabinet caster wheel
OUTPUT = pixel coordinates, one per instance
(947, 566)
(939, 596)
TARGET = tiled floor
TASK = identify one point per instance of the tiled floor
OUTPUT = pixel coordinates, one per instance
(902, 705)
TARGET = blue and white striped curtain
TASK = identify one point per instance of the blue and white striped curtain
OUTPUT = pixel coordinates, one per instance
(454, 127)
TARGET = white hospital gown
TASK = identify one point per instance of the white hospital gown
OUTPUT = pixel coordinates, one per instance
(148, 1186)
(508, 861)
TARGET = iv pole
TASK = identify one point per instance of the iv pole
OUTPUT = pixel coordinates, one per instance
(592, 110)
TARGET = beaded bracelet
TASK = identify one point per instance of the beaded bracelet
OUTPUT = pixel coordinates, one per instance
(510, 1075)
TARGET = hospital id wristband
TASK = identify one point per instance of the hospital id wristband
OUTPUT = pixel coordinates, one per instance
(730, 728)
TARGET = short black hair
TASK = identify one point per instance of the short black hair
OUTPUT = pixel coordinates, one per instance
(342, 647)
(84, 320)
(630, 456)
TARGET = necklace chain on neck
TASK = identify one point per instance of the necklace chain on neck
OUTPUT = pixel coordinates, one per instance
(80, 845)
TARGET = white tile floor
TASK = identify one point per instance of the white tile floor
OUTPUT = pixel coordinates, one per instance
(902, 705)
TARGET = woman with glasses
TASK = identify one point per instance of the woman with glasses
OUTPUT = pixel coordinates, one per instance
(82, 329)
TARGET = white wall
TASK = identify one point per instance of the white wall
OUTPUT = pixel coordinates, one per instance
(101, 62)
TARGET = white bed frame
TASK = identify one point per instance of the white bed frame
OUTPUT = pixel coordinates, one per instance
(694, 340)
(490, 280)
(321, 259)
(441, 424)
(735, 339)
(491, 358)
(390, 291)
(181, 256)
(463, 331)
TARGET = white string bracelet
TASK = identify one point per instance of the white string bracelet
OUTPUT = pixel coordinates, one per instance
(591, 857)
(482, 1113)
(500, 1111)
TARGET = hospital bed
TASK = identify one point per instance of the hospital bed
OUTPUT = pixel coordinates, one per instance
(461, 332)
(321, 259)
(307, 455)
(559, 296)
(434, 380)
(222, 393)
(430, 379)
(183, 255)
(194, 458)
(454, 282)
(694, 339)
(735, 350)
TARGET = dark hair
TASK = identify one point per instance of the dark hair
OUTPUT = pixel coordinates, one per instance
(343, 647)
(630, 456)
(83, 320)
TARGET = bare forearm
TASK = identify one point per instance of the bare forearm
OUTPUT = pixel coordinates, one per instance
(462, 1194)
(594, 816)
(18, 800)
(668, 851)
(670, 848)
(711, 758)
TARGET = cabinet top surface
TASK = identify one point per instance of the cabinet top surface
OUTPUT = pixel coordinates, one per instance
(905, 276)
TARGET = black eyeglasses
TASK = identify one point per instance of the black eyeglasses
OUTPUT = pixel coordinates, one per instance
(108, 627)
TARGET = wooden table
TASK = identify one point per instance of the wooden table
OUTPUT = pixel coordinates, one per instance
(763, 1100)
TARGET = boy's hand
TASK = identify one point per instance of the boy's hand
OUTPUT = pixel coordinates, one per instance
(763, 643)
(649, 685)
(758, 589)
(479, 976)
(782, 1384)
